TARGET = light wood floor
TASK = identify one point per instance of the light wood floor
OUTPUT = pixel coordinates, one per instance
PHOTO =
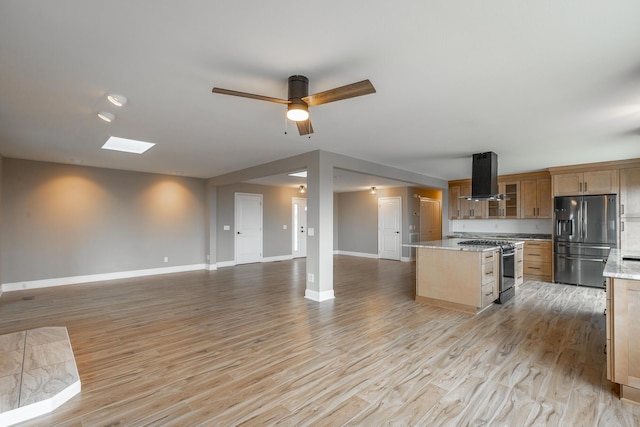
(242, 346)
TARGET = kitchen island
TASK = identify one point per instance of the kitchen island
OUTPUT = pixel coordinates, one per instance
(623, 328)
(460, 277)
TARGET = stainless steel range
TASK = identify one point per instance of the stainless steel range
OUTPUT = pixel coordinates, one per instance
(507, 277)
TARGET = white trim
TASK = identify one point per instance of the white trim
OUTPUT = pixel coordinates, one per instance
(60, 281)
(358, 254)
(277, 258)
(319, 296)
(42, 407)
(407, 259)
(211, 267)
(222, 264)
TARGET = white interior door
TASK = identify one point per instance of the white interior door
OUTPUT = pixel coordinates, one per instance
(389, 227)
(248, 228)
(299, 227)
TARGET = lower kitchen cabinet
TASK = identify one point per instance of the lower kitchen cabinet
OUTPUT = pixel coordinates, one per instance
(623, 330)
(537, 260)
(519, 265)
(460, 280)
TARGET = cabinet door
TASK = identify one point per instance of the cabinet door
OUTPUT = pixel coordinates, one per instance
(544, 199)
(567, 184)
(511, 206)
(600, 182)
(630, 192)
(630, 234)
(454, 202)
(626, 330)
(529, 198)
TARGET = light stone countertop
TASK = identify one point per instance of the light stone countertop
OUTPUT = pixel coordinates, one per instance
(618, 268)
(452, 245)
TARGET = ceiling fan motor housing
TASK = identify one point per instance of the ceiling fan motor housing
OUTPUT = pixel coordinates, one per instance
(298, 88)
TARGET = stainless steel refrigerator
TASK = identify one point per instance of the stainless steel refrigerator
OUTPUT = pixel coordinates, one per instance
(585, 230)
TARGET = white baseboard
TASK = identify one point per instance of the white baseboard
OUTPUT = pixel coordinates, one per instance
(407, 258)
(210, 267)
(61, 281)
(222, 264)
(277, 258)
(319, 296)
(358, 254)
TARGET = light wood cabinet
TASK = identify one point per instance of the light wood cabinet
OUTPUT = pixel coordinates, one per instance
(528, 196)
(519, 264)
(580, 183)
(630, 209)
(536, 198)
(509, 208)
(462, 208)
(623, 330)
(461, 280)
(454, 202)
(537, 260)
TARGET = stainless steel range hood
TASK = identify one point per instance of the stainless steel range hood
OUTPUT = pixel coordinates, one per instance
(484, 178)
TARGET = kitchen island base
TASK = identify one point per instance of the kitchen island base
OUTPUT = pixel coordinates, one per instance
(464, 280)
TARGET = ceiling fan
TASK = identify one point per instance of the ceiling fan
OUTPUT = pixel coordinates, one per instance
(299, 100)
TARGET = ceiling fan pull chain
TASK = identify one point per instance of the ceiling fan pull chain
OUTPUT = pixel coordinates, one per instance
(285, 123)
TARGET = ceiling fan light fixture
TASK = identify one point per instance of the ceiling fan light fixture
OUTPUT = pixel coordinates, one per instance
(298, 112)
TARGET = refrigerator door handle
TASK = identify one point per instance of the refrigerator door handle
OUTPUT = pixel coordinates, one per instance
(583, 259)
(584, 220)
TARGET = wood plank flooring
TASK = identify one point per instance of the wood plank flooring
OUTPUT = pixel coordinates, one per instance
(241, 346)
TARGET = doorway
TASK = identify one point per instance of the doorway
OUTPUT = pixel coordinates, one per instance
(430, 219)
(299, 227)
(389, 227)
(248, 228)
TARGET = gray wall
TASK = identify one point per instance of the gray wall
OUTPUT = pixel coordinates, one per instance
(357, 222)
(276, 212)
(357, 214)
(1, 203)
(64, 220)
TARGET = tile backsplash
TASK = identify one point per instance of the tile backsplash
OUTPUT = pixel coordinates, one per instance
(537, 226)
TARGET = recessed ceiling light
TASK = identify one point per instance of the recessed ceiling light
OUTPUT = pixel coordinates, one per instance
(127, 145)
(106, 116)
(117, 100)
(301, 174)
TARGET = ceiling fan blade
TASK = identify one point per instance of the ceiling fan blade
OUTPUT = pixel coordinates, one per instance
(344, 92)
(304, 127)
(249, 95)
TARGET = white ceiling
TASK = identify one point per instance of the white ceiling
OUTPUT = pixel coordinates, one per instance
(541, 83)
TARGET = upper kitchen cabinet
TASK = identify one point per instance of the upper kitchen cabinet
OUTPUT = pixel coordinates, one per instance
(508, 208)
(591, 182)
(630, 209)
(630, 192)
(536, 198)
(462, 208)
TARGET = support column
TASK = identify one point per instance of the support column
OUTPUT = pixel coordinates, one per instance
(319, 228)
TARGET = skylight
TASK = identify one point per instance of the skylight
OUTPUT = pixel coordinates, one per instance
(127, 145)
(301, 174)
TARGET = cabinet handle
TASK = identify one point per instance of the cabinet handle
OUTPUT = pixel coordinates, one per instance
(585, 187)
(621, 209)
(622, 226)
(581, 187)
(534, 268)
